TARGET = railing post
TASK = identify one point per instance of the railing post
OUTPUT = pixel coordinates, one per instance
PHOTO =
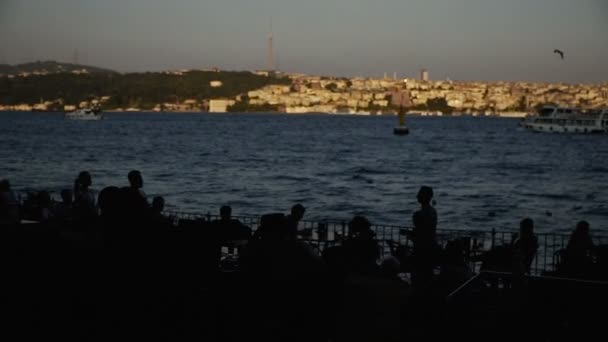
(493, 238)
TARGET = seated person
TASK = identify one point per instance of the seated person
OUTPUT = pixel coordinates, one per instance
(293, 221)
(63, 210)
(135, 200)
(230, 230)
(361, 250)
(578, 256)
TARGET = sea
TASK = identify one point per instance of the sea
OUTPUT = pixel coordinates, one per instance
(486, 172)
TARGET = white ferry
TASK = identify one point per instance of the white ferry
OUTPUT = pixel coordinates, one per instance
(567, 120)
(84, 114)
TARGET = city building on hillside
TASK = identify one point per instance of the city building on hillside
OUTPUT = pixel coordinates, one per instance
(220, 105)
(424, 75)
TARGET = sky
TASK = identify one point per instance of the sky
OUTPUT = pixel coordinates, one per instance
(485, 40)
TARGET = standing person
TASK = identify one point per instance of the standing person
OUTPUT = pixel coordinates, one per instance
(524, 247)
(9, 205)
(425, 250)
(84, 198)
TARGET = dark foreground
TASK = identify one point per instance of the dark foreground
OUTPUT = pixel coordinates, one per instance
(116, 278)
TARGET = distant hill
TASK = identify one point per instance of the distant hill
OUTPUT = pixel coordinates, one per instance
(141, 90)
(50, 67)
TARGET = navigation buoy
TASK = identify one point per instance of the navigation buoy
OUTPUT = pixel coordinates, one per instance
(402, 128)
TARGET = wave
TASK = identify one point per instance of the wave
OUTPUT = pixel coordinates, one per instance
(552, 196)
(293, 178)
(368, 171)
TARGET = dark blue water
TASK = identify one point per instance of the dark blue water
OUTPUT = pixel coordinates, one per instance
(486, 172)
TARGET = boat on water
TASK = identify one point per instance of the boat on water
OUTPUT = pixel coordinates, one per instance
(555, 119)
(85, 114)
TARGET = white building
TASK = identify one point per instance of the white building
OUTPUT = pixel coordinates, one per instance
(424, 75)
(220, 105)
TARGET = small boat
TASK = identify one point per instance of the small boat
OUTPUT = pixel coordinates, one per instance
(85, 114)
(554, 119)
(402, 128)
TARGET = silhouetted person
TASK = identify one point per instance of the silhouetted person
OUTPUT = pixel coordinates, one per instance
(578, 256)
(454, 268)
(63, 210)
(9, 205)
(423, 236)
(111, 209)
(84, 198)
(110, 203)
(287, 279)
(524, 247)
(361, 249)
(272, 227)
(158, 205)
(135, 198)
(44, 207)
(231, 230)
(156, 213)
(293, 219)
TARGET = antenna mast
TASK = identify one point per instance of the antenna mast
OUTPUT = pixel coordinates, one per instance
(270, 49)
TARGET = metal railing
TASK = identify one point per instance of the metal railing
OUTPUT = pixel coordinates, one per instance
(323, 234)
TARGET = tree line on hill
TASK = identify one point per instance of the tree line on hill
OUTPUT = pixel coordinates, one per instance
(140, 90)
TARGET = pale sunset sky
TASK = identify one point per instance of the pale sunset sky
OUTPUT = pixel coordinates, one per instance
(486, 40)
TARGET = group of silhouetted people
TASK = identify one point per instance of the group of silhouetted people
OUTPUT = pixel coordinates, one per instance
(141, 266)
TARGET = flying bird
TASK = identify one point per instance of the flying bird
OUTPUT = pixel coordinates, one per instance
(560, 52)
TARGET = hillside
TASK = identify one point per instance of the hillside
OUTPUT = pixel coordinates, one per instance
(50, 67)
(141, 90)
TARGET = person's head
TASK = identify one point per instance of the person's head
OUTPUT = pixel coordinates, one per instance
(158, 204)
(359, 225)
(425, 194)
(582, 227)
(526, 227)
(66, 196)
(5, 185)
(84, 179)
(297, 211)
(225, 212)
(135, 179)
(109, 201)
(273, 226)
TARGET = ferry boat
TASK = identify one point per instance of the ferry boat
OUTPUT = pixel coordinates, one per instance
(554, 119)
(85, 114)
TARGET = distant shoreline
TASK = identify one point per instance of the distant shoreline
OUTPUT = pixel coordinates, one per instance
(509, 115)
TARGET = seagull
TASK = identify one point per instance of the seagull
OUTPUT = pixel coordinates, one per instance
(560, 52)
